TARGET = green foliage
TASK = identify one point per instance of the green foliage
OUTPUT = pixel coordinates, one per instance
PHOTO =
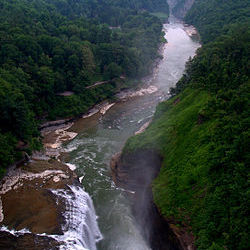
(7, 150)
(202, 133)
(49, 47)
(112, 71)
(15, 114)
(214, 17)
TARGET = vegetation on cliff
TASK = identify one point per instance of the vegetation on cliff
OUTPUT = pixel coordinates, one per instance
(202, 133)
(212, 18)
(50, 47)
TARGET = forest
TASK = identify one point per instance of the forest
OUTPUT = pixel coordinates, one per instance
(49, 47)
(202, 132)
(214, 18)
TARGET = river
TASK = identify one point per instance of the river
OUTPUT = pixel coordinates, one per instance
(101, 136)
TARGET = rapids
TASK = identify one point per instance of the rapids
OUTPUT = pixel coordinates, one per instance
(95, 139)
(102, 135)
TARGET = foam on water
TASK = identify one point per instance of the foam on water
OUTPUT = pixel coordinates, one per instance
(14, 232)
(80, 229)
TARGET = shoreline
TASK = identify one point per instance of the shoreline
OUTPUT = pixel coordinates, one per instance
(40, 211)
(55, 134)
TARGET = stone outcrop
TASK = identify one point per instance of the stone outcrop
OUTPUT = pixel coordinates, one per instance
(127, 169)
(26, 241)
(135, 172)
(27, 203)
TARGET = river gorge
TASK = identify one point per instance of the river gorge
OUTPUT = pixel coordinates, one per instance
(95, 139)
(101, 136)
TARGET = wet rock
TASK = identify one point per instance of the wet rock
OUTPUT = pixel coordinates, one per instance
(32, 209)
(28, 203)
(26, 241)
(135, 172)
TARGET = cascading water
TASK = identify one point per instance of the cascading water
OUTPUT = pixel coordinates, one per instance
(101, 136)
(80, 229)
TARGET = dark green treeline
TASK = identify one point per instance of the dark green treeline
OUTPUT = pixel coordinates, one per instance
(202, 132)
(49, 47)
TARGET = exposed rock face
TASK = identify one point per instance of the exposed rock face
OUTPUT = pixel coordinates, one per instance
(27, 203)
(185, 238)
(26, 241)
(135, 172)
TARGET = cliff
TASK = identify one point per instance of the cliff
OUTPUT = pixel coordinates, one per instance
(144, 158)
(201, 135)
(134, 172)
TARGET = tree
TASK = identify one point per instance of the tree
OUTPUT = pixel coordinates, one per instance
(112, 71)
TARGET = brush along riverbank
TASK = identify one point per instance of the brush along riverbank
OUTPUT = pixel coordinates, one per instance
(201, 188)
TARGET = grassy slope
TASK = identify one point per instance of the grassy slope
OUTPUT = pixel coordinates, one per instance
(202, 135)
(203, 132)
(185, 189)
(179, 137)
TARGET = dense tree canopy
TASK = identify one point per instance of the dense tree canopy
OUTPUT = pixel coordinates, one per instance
(48, 47)
(202, 132)
(214, 17)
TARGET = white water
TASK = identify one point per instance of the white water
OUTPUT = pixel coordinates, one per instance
(80, 228)
(100, 137)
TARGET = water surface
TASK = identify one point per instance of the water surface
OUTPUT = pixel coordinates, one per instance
(100, 137)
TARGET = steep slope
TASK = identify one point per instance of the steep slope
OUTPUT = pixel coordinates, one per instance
(202, 135)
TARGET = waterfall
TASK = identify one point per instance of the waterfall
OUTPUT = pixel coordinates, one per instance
(80, 229)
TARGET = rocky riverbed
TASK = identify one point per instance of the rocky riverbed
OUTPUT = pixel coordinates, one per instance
(27, 200)
(42, 203)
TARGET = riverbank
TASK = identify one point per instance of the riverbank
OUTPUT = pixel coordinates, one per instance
(135, 172)
(89, 161)
(55, 133)
(32, 211)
